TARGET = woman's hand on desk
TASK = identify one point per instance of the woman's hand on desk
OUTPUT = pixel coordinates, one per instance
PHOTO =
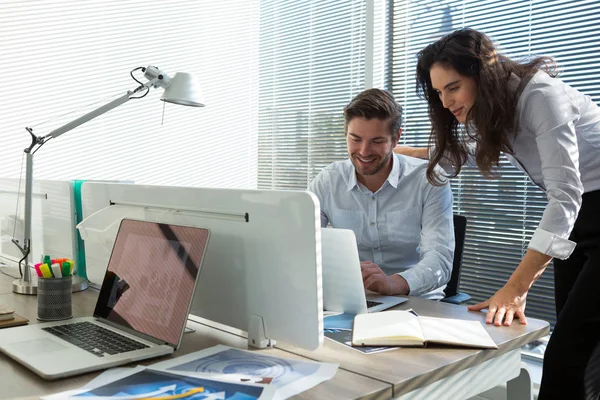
(504, 306)
(376, 280)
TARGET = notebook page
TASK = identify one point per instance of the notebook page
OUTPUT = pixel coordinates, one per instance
(387, 328)
(456, 332)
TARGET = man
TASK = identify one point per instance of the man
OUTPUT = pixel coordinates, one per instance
(403, 224)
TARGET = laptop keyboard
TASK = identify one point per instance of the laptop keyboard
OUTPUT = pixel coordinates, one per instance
(372, 303)
(94, 338)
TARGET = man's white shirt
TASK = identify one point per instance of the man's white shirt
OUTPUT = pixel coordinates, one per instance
(405, 227)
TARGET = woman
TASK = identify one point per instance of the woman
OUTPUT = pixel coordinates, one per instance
(481, 104)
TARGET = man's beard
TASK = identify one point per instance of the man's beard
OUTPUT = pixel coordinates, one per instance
(372, 168)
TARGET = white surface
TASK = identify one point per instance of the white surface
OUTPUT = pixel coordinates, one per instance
(456, 332)
(53, 214)
(388, 328)
(269, 266)
(343, 289)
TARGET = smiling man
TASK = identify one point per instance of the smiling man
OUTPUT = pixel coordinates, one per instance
(403, 224)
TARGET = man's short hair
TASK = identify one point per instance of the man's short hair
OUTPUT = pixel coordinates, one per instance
(374, 104)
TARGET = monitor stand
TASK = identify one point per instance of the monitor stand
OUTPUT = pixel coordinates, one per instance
(256, 333)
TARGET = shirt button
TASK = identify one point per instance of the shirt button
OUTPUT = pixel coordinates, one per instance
(372, 223)
(376, 248)
(372, 197)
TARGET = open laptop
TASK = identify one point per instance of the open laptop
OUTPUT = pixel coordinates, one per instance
(141, 311)
(343, 289)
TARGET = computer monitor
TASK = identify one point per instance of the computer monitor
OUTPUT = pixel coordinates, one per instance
(262, 269)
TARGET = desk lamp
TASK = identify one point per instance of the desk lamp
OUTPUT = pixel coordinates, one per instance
(181, 89)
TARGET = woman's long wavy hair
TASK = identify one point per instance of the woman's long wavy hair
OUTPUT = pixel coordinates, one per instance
(491, 121)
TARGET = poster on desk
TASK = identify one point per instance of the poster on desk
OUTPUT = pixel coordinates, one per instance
(287, 376)
(147, 383)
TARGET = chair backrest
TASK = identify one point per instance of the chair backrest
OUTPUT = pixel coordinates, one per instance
(460, 230)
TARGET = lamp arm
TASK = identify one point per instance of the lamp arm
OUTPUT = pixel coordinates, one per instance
(87, 117)
(38, 141)
(97, 112)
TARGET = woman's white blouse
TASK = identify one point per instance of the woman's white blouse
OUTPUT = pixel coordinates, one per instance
(558, 146)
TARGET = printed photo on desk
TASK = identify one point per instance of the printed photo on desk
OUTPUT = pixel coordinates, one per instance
(288, 377)
(147, 383)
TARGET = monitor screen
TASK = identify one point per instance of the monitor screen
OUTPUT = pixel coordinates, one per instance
(150, 278)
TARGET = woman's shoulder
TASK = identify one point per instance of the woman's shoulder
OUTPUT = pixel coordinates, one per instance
(544, 83)
(543, 89)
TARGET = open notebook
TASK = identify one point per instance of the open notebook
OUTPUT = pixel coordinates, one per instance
(402, 328)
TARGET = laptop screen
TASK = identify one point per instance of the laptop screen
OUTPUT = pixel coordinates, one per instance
(150, 278)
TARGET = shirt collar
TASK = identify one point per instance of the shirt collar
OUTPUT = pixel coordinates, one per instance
(393, 178)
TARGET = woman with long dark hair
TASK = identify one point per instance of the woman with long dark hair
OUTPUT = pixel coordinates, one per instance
(482, 104)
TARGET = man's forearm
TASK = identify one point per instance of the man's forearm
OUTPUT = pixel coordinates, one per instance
(417, 152)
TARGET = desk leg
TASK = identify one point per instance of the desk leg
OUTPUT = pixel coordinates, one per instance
(521, 387)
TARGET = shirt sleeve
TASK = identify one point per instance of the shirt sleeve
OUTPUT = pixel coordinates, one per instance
(319, 188)
(551, 113)
(436, 244)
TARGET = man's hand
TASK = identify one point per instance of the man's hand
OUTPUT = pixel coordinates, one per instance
(376, 280)
(504, 306)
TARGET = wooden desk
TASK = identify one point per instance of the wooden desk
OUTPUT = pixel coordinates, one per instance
(18, 381)
(437, 372)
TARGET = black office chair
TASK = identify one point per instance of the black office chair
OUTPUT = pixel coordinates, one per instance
(451, 291)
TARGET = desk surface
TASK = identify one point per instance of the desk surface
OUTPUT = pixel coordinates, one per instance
(18, 381)
(410, 368)
(372, 376)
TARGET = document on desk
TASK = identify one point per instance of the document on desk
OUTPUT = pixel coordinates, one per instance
(148, 383)
(288, 377)
(401, 328)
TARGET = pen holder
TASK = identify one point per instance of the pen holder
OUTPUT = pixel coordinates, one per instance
(54, 298)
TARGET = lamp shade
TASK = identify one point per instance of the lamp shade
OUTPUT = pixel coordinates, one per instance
(184, 89)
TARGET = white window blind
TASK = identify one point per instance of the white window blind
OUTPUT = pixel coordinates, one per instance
(502, 213)
(61, 56)
(311, 63)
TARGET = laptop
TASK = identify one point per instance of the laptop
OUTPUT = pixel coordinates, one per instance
(141, 311)
(343, 289)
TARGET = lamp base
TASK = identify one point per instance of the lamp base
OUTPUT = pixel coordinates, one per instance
(20, 286)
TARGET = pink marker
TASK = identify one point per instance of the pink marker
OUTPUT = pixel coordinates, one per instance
(38, 271)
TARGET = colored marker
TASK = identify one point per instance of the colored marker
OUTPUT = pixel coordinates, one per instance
(45, 271)
(66, 269)
(56, 271)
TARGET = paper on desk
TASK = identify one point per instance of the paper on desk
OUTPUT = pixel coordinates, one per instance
(148, 383)
(339, 321)
(108, 376)
(288, 377)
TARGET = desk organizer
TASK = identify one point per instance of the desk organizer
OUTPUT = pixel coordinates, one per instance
(54, 298)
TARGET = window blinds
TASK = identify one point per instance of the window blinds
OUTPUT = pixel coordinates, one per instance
(502, 213)
(62, 58)
(311, 64)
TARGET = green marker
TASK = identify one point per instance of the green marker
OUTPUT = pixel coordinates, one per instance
(66, 269)
(47, 260)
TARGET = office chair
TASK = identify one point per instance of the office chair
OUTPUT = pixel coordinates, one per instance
(451, 291)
